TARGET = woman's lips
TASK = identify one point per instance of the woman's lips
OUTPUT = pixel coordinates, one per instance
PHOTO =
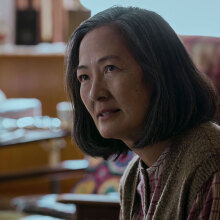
(107, 113)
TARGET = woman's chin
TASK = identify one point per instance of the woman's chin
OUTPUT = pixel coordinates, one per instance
(108, 135)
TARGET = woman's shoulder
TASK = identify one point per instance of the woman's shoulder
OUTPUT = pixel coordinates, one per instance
(206, 136)
(203, 137)
(198, 148)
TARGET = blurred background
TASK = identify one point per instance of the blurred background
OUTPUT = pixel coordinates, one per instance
(198, 17)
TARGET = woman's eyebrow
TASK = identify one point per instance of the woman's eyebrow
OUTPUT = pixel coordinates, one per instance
(101, 60)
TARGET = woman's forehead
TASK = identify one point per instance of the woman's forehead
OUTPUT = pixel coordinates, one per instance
(105, 41)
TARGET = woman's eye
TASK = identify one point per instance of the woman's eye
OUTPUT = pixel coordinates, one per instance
(110, 68)
(82, 78)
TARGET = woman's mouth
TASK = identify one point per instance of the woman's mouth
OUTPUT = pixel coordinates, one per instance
(107, 113)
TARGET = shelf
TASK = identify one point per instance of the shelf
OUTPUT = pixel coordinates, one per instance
(42, 49)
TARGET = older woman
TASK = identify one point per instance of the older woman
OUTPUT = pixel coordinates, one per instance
(135, 88)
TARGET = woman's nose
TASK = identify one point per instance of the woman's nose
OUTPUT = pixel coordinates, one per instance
(98, 90)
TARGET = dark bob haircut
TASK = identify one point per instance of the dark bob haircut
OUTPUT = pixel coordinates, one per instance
(181, 96)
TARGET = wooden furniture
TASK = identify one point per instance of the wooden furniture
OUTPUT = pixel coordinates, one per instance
(68, 167)
(93, 206)
(51, 140)
(34, 72)
(95, 196)
(76, 206)
(55, 170)
(73, 168)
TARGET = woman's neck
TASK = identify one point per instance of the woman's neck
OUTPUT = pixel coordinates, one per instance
(151, 153)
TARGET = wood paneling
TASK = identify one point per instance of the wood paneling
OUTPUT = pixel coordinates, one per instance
(39, 77)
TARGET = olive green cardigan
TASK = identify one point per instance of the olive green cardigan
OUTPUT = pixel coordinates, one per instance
(193, 157)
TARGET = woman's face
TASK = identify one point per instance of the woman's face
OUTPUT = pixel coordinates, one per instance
(113, 87)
